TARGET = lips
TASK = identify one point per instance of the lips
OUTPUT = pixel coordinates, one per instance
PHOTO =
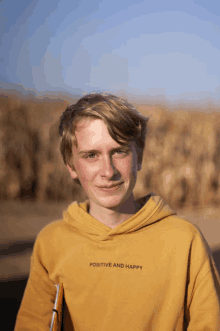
(110, 188)
(107, 187)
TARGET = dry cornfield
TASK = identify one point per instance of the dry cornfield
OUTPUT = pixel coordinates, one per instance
(181, 159)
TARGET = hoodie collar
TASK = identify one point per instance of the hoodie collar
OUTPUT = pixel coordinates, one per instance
(152, 211)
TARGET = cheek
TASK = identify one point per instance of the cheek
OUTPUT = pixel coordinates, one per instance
(86, 171)
(125, 166)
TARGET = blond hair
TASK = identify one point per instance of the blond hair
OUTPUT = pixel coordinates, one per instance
(123, 121)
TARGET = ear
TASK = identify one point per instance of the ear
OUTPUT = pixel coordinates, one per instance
(140, 159)
(139, 152)
(72, 172)
(139, 166)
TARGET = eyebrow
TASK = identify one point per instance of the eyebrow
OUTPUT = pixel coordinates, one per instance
(96, 151)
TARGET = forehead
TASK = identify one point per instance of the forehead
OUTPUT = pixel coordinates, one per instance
(92, 132)
(89, 123)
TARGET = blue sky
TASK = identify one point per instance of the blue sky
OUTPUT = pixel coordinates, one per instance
(150, 48)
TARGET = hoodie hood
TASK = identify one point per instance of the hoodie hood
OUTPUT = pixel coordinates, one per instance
(153, 210)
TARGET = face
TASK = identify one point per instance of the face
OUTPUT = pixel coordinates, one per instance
(107, 171)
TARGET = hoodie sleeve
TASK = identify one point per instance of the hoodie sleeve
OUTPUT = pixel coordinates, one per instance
(203, 297)
(35, 312)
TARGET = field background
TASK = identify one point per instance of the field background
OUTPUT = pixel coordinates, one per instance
(181, 163)
(181, 159)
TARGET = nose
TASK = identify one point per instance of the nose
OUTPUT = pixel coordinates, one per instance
(107, 169)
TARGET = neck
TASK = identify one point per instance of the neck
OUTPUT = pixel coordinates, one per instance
(114, 217)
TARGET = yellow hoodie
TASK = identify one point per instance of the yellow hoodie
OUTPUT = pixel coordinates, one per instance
(152, 272)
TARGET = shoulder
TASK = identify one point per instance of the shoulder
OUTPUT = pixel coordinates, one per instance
(181, 224)
(184, 232)
(51, 228)
(60, 227)
(186, 243)
(53, 234)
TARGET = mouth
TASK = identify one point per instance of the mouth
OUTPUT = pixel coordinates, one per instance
(110, 188)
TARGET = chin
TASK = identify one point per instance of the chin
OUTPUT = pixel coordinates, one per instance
(111, 202)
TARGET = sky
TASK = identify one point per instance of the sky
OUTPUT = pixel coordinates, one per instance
(147, 48)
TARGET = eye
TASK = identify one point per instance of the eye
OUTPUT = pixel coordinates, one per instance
(121, 152)
(90, 156)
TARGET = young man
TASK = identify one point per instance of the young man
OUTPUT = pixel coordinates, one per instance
(124, 264)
